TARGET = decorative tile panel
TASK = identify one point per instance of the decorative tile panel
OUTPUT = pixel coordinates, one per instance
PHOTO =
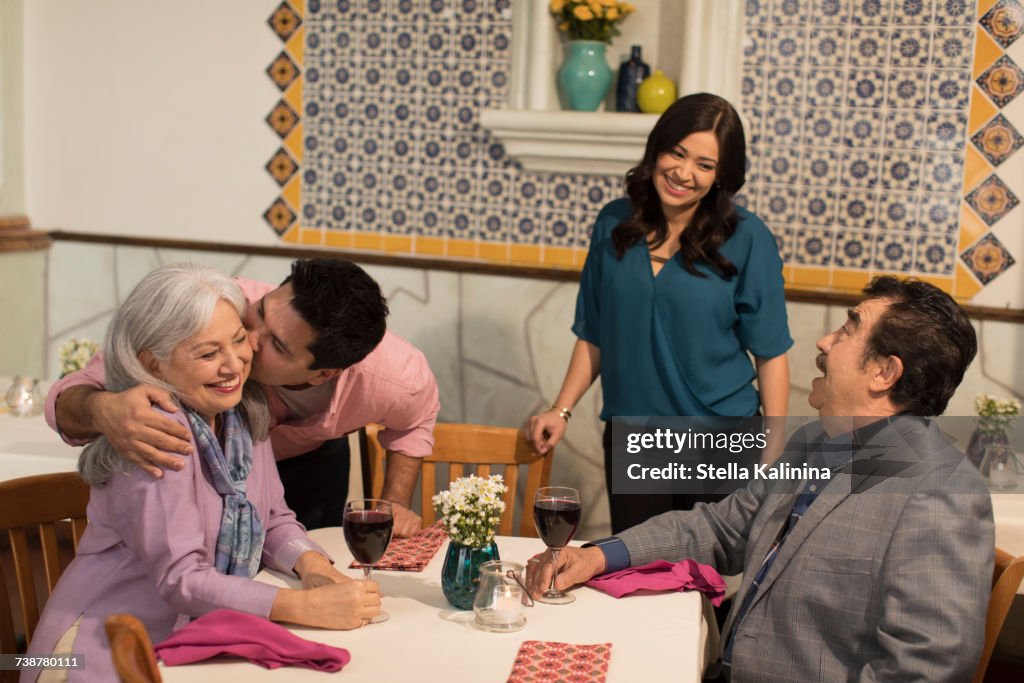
(865, 120)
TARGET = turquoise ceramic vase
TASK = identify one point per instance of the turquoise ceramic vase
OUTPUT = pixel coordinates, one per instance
(585, 76)
(460, 574)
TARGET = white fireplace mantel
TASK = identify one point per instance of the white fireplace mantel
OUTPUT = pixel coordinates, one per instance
(695, 42)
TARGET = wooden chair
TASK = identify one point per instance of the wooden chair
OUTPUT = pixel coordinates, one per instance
(466, 444)
(40, 501)
(1006, 578)
(131, 650)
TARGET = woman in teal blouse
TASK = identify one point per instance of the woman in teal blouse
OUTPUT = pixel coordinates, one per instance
(679, 286)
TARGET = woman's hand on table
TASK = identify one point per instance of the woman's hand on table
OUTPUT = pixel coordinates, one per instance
(575, 566)
(340, 606)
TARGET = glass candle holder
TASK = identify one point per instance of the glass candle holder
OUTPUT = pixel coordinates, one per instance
(499, 598)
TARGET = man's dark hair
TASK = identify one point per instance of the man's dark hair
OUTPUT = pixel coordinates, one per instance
(927, 330)
(343, 305)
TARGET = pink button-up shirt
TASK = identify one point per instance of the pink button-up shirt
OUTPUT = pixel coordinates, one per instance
(393, 386)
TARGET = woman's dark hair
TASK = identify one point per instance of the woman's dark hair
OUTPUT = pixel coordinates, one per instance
(715, 219)
(930, 334)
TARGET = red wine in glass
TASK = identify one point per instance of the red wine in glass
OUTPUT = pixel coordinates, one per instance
(367, 533)
(367, 526)
(556, 520)
(556, 514)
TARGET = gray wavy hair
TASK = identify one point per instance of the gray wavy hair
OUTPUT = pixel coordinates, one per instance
(170, 305)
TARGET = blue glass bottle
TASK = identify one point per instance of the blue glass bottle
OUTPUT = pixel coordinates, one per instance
(631, 74)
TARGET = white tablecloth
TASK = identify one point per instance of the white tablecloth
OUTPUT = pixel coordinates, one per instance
(1008, 511)
(28, 446)
(654, 637)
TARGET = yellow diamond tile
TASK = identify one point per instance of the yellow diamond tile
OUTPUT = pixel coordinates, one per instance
(339, 239)
(293, 96)
(367, 240)
(292, 235)
(525, 254)
(982, 110)
(292, 192)
(295, 44)
(461, 248)
(850, 280)
(429, 246)
(294, 143)
(971, 227)
(809, 277)
(976, 168)
(496, 253)
(986, 51)
(299, 6)
(983, 7)
(966, 286)
(397, 244)
(945, 283)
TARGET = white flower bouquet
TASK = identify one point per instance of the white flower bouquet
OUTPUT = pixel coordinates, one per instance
(995, 414)
(471, 509)
(75, 354)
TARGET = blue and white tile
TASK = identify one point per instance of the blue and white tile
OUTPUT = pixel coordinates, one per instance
(894, 252)
(939, 213)
(826, 87)
(857, 209)
(935, 254)
(871, 12)
(817, 206)
(778, 204)
(781, 165)
(783, 126)
(827, 46)
(913, 12)
(905, 129)
(901, 171)
(860, 168)
(821, 166)
(955, 12)
(949, 90)
(865, 88)
(943, 172)
(952, 48)
(756, 48)
(910, 47)
(812, 246)
(853, 249)
(830, 12)
(869, 47)
(823, 127)
(946, 130)
(787, 47)
(862, 128)
(908, 88)
(790, 12)
(785, 88)
(897, 212)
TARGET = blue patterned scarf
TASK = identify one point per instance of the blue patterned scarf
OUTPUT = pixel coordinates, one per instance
(240, 541)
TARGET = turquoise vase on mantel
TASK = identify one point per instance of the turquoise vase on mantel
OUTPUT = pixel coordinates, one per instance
(585, 76)
(460, 574)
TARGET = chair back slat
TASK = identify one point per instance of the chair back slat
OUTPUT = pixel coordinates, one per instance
(37, 503)
(484, 447)
(1006, 578)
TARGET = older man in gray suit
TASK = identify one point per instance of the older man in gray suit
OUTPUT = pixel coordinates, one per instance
(884, 573)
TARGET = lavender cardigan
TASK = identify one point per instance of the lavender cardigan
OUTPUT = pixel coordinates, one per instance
(148, 550)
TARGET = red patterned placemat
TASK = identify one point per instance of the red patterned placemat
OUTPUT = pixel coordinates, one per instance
(549, 662)
(411, 554)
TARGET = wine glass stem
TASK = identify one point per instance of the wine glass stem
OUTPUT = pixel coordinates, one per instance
(366, 571)
(554, 570)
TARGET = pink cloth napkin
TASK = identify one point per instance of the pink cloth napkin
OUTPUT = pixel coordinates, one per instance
(662, 575)
(225, 632)
(411, 554)
(542, 661)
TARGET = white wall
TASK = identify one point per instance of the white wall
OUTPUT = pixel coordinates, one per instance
(143, 118)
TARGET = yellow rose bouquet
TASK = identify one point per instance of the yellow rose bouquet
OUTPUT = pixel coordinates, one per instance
(590, 19)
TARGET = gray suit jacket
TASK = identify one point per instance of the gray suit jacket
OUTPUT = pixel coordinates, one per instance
(885, 578)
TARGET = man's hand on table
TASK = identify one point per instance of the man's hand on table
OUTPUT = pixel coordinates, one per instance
(407, 522)
(136, 431)
(575, 565)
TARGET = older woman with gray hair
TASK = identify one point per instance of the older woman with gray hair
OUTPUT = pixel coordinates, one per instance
(180, 546)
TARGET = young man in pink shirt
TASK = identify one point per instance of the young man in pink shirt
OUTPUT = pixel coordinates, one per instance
(330, 367)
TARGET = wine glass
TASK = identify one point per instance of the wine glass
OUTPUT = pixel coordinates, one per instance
(556, 513)
(367, 524)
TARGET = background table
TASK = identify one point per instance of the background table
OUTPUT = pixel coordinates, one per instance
(28, 446)
(654, 637)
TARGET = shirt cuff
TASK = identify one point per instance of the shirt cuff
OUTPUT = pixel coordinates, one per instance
(616, 554)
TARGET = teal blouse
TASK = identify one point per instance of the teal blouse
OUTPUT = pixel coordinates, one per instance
(675, 344)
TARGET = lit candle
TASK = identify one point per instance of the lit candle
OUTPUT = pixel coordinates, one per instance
(507, 603)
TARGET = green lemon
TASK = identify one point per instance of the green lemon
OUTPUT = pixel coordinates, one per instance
(656, 93)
